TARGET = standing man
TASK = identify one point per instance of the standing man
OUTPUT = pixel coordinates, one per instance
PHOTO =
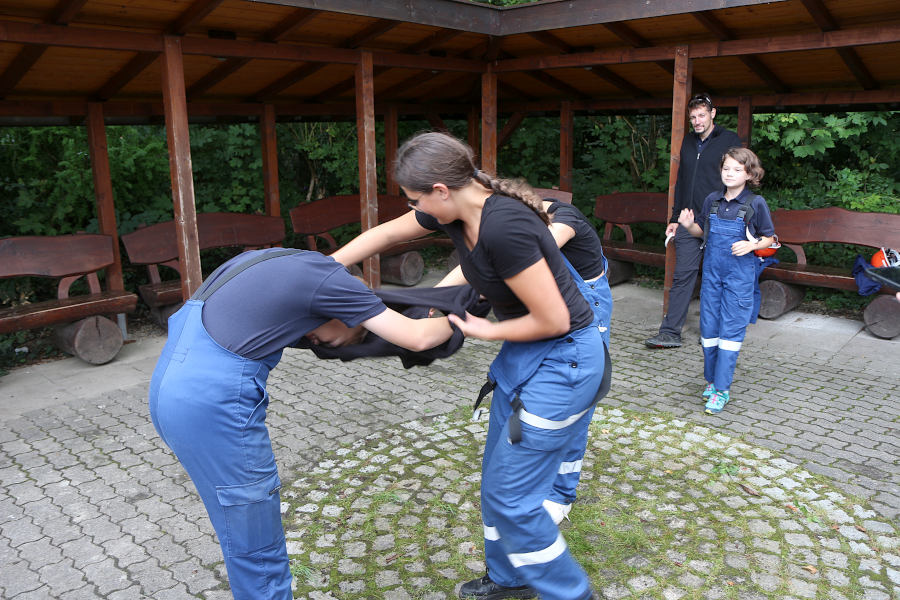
(698, 175)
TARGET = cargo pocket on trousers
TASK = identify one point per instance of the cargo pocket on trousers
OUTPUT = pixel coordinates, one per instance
(252, 515)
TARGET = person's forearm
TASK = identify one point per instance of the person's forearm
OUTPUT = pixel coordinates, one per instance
(428, 333)
(764, 242)
(366, 244)
(694, 230)
(526, 328)
(454, 277)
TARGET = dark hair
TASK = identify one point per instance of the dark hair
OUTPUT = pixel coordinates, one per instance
(700, 100)
(751, 162)
(434, 157)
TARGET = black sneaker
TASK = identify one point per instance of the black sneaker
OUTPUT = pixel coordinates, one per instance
(663, 340)
(485, 589)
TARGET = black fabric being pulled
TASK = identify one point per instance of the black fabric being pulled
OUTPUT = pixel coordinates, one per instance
(413, 303)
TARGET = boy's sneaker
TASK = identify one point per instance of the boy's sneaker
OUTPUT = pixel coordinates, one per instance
(717, 402)
(484, 588)
(709, 390)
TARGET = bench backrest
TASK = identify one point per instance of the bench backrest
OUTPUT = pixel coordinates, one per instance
(837, 225)
(624, 208)
(67, 257)
(317, 218)
(560, 195)
(157, 244)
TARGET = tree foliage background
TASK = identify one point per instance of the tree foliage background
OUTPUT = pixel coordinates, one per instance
(851, 160)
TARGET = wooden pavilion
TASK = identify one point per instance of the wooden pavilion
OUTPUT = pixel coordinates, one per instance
(126, 61)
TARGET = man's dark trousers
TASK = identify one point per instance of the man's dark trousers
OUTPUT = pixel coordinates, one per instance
(687, 265)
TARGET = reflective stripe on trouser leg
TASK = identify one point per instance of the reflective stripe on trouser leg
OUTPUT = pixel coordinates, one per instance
(210, 406)
(710, 303)
(517, 477)
(737, 308)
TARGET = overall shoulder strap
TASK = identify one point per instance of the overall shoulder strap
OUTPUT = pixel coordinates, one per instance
(212, 284)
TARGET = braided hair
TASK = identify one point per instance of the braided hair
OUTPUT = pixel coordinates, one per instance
(433, 157)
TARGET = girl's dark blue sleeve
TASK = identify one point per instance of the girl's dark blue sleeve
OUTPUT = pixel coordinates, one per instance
(761, 224)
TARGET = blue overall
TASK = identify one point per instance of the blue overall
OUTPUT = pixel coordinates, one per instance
(553, 384)
(209, 406)
(726, 300)
(599, 296)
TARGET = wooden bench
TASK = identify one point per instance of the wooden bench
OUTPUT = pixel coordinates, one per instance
(82, 328)
(621, 210)
(157, 245)
(400, 264)
(782, 283)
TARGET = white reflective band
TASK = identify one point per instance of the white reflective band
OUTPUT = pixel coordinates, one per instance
(542, 423)
(491, 533)
(729, 345)
(539, 557)
(709, 342)
(570, 467)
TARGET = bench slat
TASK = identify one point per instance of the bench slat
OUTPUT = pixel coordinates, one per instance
(637, 253)
(837, 225)
(51, 312)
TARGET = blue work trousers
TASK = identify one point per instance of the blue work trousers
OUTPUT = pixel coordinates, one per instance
(209, 406)
(726, 300)
(599, 296)
(556, 382)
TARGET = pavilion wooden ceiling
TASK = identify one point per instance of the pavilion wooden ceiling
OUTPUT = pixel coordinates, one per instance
(429, 55)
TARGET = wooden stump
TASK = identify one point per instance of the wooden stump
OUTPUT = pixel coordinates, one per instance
(403, 269)
(96, 340)
(161, 314)
(882, 317)
(778, 298)
(619, 271)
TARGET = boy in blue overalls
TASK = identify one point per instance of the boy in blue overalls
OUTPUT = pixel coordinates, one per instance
(737, 223)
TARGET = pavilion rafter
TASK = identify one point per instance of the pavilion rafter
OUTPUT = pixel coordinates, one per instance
(195, 13)
(62, 13)
(632, 38)
(297, 18)
(753, 63)
(826, 22)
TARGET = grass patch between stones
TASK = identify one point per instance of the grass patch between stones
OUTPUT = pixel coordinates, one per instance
(667, 509)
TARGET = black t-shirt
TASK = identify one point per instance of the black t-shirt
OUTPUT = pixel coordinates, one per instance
(584, 251)
(511, 238)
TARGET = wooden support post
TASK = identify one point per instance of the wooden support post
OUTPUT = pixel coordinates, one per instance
(473, 130)
(103, 191)
(566, 145)
(175, 107)
(745, 120)
(489, 120)
(391, 141)
(368, 180)
(269, 142)
(681, 92)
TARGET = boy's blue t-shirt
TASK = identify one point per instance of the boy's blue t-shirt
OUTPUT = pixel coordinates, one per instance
(760, 224)
(274, 303)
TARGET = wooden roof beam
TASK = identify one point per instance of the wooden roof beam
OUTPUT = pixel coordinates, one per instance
(298, 18)
(632, 38)
(62, 13)
(859, 36)
(362, 37)
(195, 13)
(564, 88)
(825, 21)
(418, 48)
(712, 24)
(601, 72)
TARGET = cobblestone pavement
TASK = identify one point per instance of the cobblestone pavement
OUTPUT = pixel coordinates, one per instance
(92, 505)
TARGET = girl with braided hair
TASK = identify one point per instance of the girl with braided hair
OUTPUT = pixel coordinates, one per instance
(547, 373)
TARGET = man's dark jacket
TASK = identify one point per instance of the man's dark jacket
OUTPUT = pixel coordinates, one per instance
(700, 174)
